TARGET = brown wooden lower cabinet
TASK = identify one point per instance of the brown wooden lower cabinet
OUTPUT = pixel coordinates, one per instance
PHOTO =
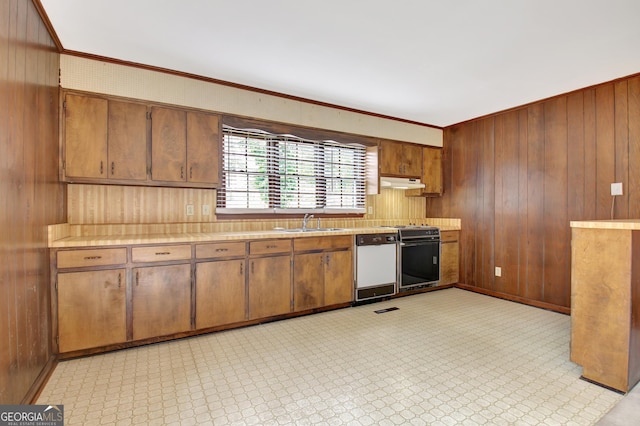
(161, 301)
(220, 293)
(338, 277)
(124, 295)
(269, 286)
(322, 272)
(449, 257)
(91, 309)
(308, 281)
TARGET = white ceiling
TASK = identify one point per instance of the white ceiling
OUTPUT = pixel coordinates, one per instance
(429, 61)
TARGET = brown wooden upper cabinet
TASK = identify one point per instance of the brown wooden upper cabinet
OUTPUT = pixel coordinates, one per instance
(104, 139)
(400, 159)
(184, 146)
(431, 174)
(107, 141)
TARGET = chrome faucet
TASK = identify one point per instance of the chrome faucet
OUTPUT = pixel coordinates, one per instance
(307, 218)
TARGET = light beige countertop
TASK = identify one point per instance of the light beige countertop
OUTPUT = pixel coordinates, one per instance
(106, 240)
(194, 237)
(630, 224)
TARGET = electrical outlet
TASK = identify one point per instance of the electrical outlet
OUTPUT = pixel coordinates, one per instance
(370, 209)
(616, 188)
(498, 271)
(190, 210)
(206, 209)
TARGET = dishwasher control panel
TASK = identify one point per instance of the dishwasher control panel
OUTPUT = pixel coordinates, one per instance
(376, 239)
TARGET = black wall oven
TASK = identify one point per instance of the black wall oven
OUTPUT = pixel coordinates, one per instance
(419, 257)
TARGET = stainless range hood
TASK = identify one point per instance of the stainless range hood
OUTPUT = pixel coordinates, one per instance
(400, 183)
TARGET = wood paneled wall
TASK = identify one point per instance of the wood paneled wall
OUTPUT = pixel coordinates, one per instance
(517, 178)
(30, 193)
(115, 204)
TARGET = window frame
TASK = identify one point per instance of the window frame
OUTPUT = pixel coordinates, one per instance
(274, 157)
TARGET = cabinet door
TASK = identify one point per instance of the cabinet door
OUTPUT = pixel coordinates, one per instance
(91, 309)
(412, 160)
(85, 137)
(161, 300)
(390, 158)
(220, 293)
(432, 171)
(269, 286)
(127, 141)
(308, 281)
(338, 279)
(203, 141)
(168, 144)
(449, 262)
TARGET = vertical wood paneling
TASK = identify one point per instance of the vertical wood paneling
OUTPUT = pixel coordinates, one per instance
(621, 137)
(486, 225)
(32, 197)
(474, 273)
(498, 200)
(634, 147)
(5, 305)
(537, 168)
(535, 199)
(576, 157)
(605, 149)
(590, 151)
(471, 190)
(556, 224)
(510, 188)
(523, 201)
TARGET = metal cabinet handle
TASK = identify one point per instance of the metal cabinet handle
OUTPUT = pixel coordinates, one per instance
(241, 268)
(101, 167)
(182, 172)
(137, 278)
(162, 253)
(222, 249)
(113, 166)
(190, 172)
(119, 279)
(92, 257)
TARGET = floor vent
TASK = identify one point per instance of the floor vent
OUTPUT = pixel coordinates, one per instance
(382, 311)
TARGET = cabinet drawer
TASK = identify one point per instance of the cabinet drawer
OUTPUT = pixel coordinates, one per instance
(91, 257)
(449, 236)
(269, 247)
(214, 250)
(161, 253)
(322, 243)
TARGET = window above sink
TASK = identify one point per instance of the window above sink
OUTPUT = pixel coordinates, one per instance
(273, 173)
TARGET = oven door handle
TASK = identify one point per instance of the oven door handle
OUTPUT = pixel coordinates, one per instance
(419, 244)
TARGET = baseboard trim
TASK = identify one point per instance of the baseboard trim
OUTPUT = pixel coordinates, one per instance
(512, 298)
(38, 385)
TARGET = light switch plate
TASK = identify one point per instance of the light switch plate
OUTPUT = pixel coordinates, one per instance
(616, 188)
(498, 271)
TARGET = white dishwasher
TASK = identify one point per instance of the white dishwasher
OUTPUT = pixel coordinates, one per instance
(376, 271)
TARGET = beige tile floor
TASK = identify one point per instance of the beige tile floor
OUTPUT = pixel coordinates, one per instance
(449, 357)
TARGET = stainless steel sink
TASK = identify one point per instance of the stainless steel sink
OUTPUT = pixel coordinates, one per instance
(310, 229)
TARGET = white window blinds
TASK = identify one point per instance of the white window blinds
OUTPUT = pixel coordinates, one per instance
(270, 173)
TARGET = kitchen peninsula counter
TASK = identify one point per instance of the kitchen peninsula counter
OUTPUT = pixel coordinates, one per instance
(605, 301)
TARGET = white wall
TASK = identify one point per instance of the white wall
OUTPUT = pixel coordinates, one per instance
(120, 80)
